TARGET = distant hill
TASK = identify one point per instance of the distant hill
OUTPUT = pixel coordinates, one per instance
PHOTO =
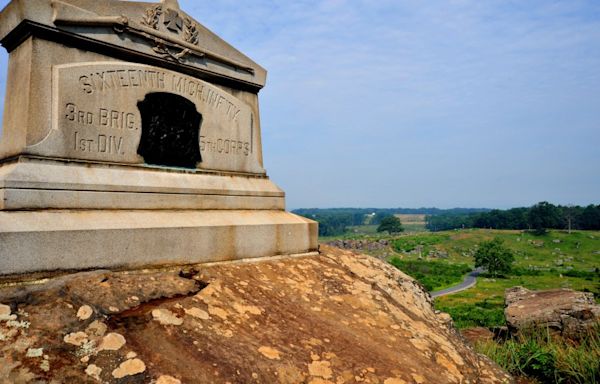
(540, 216)
(335, 221)
(388, 211)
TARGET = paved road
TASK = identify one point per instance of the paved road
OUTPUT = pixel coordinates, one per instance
(467, 283)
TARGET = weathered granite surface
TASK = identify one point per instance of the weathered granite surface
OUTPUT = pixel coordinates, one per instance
(570, 313)
(131, 136)
(46, 241)
(333, 318)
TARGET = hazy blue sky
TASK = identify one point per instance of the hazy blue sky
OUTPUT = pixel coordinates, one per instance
(422, 103)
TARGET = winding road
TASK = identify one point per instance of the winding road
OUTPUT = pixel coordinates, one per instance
(468, 282)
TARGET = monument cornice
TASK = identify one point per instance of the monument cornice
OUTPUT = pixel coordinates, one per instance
(28, 28)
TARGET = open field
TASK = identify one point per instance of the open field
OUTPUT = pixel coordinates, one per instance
(358, 230)
(555, 250)
(412, 222)
(554, 260)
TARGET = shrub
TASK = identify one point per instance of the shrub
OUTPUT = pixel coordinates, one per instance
(432, 274)
(539, 355)
(520, 271)
(582, 274)
(494, 256)
(408, 244)
(481, 314)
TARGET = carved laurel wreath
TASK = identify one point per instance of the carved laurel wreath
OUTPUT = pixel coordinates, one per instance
(152, 16)
(190, 33)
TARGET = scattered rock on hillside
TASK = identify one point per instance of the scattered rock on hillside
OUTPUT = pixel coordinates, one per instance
(360, 245)
(570, 313)
(333, 318)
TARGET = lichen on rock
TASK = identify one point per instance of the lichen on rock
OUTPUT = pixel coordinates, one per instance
(5, 313)
(246, 322)
(112, 342)
(84, 312)
(166, 317)
(129, 368)
(76, 338)
(166, 379)
(270, 353)
(94, 371)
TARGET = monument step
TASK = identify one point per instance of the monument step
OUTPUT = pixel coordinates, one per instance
(32, 199)
(39, 184)
(45, 241)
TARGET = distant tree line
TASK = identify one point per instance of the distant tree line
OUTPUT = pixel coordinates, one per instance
(538, 217)
(335, 221)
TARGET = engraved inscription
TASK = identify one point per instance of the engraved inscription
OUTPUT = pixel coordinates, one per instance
(89, 141)
(75, 114)
(121, 78)
(224, 146)
(208, 96)
(99, 143)
(101, 112)
(104, 117)
(103, 81)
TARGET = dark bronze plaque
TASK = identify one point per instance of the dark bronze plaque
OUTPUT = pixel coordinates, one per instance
(170, 130)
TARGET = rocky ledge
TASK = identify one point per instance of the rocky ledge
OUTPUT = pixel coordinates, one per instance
(333, 318)
(360, 245)
(571, 314)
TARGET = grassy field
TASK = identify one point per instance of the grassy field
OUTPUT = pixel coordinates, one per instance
(483, 305)
(433, 275)
(554, 250)
(554, 260)
(370, 231)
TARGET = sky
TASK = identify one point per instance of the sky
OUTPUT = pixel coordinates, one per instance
(411, 103)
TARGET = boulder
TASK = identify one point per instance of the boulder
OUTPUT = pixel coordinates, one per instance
(337, 317)
(569, 313)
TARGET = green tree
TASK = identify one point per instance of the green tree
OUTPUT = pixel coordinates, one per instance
(494, 256)
(391, 224)
(542, 216)
(590, 217)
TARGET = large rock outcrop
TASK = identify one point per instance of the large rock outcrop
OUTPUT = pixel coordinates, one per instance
(569, 313)
(333, 318)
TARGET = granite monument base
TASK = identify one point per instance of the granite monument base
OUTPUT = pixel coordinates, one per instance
(65, 215)
(49, 240)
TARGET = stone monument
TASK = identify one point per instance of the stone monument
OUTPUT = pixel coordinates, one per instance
(131, 137)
